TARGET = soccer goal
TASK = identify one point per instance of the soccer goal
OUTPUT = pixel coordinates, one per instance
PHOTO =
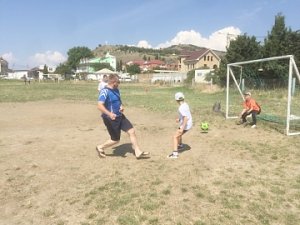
(278, 96)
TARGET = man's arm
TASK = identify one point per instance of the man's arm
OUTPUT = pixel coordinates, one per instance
(102, 108)
(121, 109)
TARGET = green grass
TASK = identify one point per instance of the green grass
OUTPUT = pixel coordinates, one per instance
(16, 91)
(154, 98)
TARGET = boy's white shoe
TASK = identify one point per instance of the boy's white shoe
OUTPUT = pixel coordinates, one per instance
(253, 126)
(173, 155)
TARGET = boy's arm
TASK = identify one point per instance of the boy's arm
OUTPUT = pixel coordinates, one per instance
(184, 123)
(249, 110)
(243, 111)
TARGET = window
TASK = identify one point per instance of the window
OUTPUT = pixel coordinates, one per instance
(205, 58)
(211, 58)
(208, 58)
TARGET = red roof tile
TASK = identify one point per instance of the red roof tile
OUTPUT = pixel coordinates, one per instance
(196, 55)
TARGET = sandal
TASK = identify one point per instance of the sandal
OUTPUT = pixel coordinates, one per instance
(142, 155)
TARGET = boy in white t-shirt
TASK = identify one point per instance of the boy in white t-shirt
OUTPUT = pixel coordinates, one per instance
(102, 84)
(185, 124)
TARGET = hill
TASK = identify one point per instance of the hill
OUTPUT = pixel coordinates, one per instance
(127, 53)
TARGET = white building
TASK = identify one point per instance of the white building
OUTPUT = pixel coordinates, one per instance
(168, 76)
(200, 75)
(18, 74)
(51, 69)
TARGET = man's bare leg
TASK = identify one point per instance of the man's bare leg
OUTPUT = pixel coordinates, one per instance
(135, 146)
(107, 144)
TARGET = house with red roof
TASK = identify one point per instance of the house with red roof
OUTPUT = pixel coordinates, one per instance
(204, 59)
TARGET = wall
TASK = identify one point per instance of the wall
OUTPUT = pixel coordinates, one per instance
(200, 75)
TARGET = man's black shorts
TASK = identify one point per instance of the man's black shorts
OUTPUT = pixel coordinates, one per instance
(114, 127)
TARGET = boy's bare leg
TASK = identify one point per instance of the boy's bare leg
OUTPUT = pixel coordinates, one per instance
(176, 139)
(180, 140)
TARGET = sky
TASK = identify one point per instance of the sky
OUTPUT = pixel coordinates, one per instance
(39, 32)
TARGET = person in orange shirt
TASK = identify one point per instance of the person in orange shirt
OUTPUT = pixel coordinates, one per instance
(250, 107)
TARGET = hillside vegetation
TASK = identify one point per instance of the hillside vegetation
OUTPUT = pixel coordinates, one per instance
(127, 53)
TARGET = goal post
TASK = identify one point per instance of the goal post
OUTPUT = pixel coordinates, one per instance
(290, 113)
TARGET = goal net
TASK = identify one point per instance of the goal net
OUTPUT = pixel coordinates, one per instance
(274, 83)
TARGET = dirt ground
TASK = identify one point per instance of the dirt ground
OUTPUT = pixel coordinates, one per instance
(48, 159)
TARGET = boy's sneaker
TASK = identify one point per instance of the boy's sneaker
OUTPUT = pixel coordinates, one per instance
(173, 155)
(253, 126)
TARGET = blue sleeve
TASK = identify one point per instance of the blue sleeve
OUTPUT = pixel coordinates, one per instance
(103, 95)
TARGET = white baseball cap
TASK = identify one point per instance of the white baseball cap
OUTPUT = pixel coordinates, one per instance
(247, 93)
(179, 96)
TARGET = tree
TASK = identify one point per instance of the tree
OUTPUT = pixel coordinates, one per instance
(134, 69)
(277, 40)
(119, 65)
(64, 70)
(242, 49)
(190, 76)
(45, 70)
(77, 53)
(293, 45)
(100, 66)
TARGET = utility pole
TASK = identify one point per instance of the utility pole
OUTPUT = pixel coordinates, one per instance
(229, 37)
